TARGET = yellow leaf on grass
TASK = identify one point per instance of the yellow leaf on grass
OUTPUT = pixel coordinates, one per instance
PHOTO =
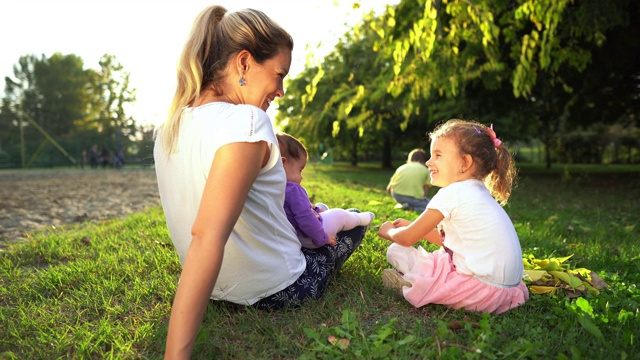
(541, 263)
(553, 265)
(563, 259)
(543, 290)
(536, 275)
(591, 289)
(582, 271)
(568, 279)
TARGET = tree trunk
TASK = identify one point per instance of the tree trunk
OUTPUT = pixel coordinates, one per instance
(354, 151)
(547, 150)
(386, 153)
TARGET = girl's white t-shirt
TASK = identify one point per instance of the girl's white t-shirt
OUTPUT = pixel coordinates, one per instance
(479, 233)
(262, 255)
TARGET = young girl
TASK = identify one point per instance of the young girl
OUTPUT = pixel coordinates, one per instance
(479, 265)
(315, 225)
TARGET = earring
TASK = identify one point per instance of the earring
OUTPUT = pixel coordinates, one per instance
(461, 171)
(241, 81)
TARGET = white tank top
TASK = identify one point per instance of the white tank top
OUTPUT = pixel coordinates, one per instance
(262, 255)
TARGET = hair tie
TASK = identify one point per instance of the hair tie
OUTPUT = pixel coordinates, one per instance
(492, 135)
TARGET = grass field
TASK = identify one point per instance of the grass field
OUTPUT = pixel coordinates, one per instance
(104, 290)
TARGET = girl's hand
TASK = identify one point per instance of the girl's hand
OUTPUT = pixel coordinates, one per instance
(332, 240)
(401, 222)
(383, 232)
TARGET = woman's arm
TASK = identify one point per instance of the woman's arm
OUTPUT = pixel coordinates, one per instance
(233, 171)
(408, 234)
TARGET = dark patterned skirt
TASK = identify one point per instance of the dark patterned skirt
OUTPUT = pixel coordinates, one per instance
(322, 263)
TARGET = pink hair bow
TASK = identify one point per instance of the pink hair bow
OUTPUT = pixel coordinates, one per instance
(492, 135)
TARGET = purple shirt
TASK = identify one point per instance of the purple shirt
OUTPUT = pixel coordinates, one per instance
(302, 215)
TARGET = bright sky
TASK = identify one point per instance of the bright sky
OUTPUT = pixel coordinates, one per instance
(146, 37)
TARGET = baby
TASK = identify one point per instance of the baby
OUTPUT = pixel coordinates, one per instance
(315, 225)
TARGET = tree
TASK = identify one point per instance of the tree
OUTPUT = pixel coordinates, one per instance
(110, 94)
(521, 64)
(50, 91)
(67, 101)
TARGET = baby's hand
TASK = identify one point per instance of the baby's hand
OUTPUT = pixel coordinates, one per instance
(400, 223)
(383, 232)
(332, 240)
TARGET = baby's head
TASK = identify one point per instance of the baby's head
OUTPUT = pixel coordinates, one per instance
(294, 156)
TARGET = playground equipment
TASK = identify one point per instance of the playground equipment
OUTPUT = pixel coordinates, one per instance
(47, 138)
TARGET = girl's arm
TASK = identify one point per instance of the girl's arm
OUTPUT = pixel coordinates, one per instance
(233, 171)
(408, 234)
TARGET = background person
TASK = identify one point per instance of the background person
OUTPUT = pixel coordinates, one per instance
(221, 180)
(410, 184)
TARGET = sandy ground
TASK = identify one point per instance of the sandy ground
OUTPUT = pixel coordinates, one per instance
(32, 199)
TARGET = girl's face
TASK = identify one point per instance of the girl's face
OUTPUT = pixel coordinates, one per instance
(446, 162)
(264, 82)
(293, 168)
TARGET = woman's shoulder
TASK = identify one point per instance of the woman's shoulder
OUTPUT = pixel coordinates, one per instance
(228, 109)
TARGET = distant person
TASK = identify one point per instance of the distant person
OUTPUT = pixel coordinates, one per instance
(221, 179)
(479, 264)
(104, 156)
(316, 225)
(93, 156)
(410, 184)
(84, 158)
(119, 159)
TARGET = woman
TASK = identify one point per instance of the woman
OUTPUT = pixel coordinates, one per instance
(221, 179)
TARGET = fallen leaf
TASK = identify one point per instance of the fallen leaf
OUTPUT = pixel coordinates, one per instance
(597, 281)
(343, 343)
(332, 339)
(543, 290)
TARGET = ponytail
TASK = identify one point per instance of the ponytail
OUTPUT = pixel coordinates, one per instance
(217, 36)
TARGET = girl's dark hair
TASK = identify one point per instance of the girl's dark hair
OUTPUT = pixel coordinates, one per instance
(290, 147)
(417, 155)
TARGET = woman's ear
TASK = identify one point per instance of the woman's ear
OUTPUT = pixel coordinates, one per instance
(242, 62)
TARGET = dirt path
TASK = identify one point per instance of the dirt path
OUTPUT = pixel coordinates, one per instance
(31, 199)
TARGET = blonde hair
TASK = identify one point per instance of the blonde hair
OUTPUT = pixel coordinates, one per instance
(495, 164)
(290, 147)
(216, 37)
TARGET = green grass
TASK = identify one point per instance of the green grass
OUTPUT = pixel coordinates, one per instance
(104, 290)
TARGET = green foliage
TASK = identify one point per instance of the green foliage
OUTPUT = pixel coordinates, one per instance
(71, 103)
(50, 90)
(350, 341)
(534, 68)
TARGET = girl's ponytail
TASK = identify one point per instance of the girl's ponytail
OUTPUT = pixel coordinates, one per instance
(500, 180)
